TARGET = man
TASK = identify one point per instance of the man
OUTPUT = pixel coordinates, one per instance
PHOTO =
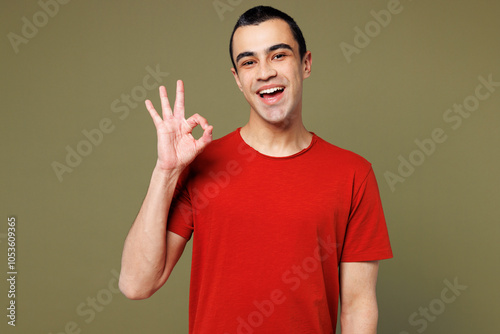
(283, 221)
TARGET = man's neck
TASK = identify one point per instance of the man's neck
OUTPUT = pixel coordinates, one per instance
(276, 140)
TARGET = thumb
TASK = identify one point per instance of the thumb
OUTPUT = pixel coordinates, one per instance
(205, 139)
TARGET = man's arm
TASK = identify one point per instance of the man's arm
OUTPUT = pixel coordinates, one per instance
(358, 300)
(150, 251)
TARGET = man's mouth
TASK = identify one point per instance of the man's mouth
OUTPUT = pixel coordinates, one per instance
(271, 95)
(271, 91)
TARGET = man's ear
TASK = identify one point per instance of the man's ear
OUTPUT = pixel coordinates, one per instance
(235, 75)
(307, 64)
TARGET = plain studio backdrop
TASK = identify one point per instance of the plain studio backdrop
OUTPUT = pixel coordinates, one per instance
(413, 86)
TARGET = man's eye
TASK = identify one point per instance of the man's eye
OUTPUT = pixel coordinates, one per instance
(247, 63)
(279, 56)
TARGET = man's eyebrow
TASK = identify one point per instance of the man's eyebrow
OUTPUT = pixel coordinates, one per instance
(279, 46)
(270, 49)
(244, 54)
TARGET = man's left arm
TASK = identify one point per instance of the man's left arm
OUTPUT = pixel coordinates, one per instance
(358, 300)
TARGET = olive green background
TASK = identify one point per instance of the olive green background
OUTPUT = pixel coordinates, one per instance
(443, 219)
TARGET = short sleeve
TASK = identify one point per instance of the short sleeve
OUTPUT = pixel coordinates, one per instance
(180, 217)
(366, 237)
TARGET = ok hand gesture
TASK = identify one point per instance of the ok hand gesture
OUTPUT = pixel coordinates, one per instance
(176, 145)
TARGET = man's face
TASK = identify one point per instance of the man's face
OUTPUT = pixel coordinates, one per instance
(270, 70)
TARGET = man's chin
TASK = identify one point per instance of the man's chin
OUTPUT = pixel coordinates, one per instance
(278, 117)
(278, 121)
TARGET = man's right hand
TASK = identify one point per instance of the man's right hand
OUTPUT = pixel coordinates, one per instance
(151, 251)
(176, 145)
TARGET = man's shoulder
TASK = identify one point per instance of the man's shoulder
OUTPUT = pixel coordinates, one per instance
(222, 144)
(218, 151)
(336, 155)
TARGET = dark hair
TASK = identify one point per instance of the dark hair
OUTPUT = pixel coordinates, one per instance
(259, 14)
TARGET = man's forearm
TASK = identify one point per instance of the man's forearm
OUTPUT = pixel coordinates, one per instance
(360, 319)
(145, 249)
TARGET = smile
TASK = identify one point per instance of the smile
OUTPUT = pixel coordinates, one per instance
(271, 91)
(271, 95)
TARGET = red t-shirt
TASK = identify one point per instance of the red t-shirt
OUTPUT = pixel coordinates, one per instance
(270, 232)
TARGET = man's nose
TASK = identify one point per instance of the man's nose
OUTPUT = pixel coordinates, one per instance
(266, 71)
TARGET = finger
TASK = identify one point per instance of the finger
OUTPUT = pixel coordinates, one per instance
(205, 139)
(154, 115)
(165, 105)
(179, 100)
(195, 120)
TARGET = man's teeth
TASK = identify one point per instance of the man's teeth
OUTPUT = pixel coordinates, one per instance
(270, 90)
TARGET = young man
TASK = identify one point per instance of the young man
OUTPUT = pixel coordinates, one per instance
(283, 221)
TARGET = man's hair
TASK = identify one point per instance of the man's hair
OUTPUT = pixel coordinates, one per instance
(259, 14)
